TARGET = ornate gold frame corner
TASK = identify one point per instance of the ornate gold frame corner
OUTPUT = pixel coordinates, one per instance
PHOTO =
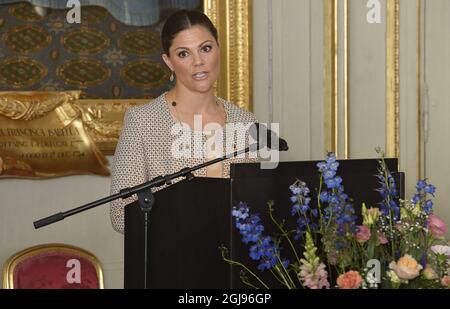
(233, 19)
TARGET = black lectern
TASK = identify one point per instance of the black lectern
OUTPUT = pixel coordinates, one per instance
(188, 223)
(191, 219)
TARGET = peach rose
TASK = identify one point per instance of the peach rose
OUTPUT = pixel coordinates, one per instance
(406, 267)
(350, 280)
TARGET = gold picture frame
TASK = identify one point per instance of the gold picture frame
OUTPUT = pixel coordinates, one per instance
(233, 19)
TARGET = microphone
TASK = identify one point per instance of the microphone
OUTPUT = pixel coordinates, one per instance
(266, 137)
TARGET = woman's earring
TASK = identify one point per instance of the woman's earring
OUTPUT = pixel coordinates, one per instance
(172, 77)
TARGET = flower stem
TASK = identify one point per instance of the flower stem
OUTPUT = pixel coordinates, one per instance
(231, 262)
(287, 272)
(276, 277)
(283, 231)
(319, 205)
(283, 276)
(388, 200)
(248, 283)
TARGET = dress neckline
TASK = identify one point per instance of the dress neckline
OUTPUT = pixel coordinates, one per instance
(176, 121)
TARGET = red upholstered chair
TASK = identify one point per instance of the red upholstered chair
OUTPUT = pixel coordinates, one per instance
(53, 266)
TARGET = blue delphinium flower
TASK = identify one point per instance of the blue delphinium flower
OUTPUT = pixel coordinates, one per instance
(302, 209)
(388, 191)
(263, 248)
(421, 184)
(428, 207)
(339, 210)
(421, 196)
(430, 189)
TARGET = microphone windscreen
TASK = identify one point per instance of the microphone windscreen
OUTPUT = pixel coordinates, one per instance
(267, 138)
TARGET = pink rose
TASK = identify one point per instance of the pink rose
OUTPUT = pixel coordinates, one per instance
(350, 280)
(382, 238)
(436, 226)
(445, 281)
(363, 233)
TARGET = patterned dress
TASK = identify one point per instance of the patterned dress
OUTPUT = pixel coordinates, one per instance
(152, 143)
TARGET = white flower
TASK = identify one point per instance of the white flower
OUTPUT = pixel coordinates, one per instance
(439, 249)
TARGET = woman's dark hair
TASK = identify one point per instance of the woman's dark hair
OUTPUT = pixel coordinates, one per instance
(182, 20)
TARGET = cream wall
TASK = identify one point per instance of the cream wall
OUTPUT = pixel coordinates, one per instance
(297, 87)
(367, 82)
(435, 98)
(424, 78)
(297, 73)
(25, 201)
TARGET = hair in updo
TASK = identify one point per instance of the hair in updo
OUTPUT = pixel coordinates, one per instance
(182, 20)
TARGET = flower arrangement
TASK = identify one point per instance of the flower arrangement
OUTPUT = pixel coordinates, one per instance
(399, 244)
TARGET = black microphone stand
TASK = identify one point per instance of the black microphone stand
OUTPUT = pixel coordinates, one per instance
(143, 191)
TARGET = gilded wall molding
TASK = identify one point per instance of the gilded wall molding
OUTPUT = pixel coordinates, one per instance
(233, 19)
(330, 75)
(393, 79)
(331, 34)
(346, 83)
